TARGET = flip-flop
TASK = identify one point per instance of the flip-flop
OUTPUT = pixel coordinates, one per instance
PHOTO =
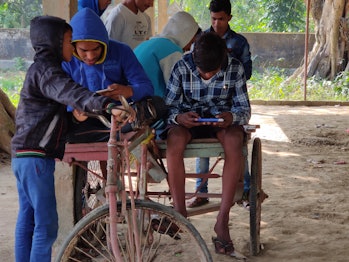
(164, 226)
(197, 202)
(226, 248)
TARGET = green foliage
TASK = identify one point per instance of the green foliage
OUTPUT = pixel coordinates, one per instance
(285, 16)
(11, 83)
(18, 13)
(20, 64)
(253, 15)
(271, 84)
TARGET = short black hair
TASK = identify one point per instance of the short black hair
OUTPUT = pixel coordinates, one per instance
(67, 28)
(220, 5)
(210, 51)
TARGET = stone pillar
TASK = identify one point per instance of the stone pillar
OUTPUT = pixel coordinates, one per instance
(162, 14)
(65, 202)
(63, 8)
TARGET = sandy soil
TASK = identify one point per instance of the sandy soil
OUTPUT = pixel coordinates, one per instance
(305, 173)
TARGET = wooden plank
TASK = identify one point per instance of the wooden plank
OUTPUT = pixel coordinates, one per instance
(205, 147)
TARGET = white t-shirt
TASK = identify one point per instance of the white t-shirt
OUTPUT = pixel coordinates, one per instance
(125, 26)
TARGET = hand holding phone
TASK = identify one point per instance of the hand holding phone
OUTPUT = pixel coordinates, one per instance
(213, 120)
(103, 90)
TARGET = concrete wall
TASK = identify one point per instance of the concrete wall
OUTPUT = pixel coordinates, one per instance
(15, 43)
(284, 50)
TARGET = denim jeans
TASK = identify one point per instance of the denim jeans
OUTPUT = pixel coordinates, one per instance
(37, 221)
(203, 164)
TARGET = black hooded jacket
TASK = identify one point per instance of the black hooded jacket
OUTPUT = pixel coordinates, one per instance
(41, 118)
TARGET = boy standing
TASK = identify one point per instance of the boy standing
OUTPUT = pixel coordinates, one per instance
(128, 23)
(41, 125)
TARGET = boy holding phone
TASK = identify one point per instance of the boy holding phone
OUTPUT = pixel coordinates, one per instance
(208, 83)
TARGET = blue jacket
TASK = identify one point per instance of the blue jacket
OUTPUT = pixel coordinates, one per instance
(93, 4)
(118, 64)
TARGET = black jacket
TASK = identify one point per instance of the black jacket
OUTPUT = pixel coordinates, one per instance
(41, 116)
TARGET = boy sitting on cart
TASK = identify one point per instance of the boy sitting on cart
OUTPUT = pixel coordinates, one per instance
(208, 83)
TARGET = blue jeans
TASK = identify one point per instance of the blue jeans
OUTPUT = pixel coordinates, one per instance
(37, 221)
(202, 166)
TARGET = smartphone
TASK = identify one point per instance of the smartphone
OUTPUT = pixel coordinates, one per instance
(103, 90)
(210, 120)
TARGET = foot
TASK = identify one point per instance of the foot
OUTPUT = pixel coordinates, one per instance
(226, 248)
(197, 202)
(165, 226)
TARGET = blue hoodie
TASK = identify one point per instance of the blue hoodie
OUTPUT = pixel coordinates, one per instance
(118, 64)
(93, 4)
(159, 54)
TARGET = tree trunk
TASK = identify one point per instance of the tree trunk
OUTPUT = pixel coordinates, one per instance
(329, 55)
(7, 122)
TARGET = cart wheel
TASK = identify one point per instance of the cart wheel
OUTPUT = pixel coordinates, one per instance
(255, 196)
(86, 189)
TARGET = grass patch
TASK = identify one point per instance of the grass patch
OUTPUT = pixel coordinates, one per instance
(271, 84)
(11, 83)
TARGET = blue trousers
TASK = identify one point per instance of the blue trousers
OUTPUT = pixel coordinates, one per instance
(37, 222)
(202, 166)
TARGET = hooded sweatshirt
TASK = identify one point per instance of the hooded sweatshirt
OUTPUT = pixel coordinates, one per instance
(161, 52)
(41, 121)
(117, 64)
(93, 4)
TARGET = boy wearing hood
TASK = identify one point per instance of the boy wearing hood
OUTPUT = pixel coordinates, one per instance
(41, 126)
(102, 64)
(159, 54)
(99, 6)
(208, 83)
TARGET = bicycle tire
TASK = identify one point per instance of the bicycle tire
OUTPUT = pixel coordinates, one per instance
(255, 196)
(157, 244)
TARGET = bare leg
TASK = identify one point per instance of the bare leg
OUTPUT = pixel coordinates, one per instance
(232, 142)
(177, 139)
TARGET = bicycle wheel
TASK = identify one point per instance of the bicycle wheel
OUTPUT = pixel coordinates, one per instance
(87, 189)
(165, 236)
(255, 196)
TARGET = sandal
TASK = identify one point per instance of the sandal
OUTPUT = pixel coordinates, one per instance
(226, 248)
(245, 200)
(164, 226)
(197, 202)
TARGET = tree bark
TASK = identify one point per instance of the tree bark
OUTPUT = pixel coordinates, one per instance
(329, 55)
(7, 122)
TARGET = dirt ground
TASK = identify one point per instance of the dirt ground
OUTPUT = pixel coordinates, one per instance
(305, 173)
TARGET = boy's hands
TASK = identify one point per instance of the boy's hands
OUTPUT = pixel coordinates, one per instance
(122, 115)
(189, 120)
(115, 90)
(228, 119)
(79, 115)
